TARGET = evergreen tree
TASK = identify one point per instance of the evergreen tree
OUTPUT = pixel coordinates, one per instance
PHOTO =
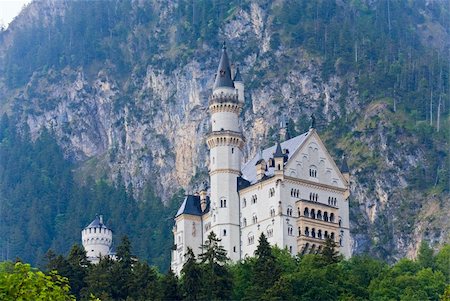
(169, 287)
(122, 270)
(218, 280)
(191, 278)
(330, 252)
(266, 270)
(425, 256)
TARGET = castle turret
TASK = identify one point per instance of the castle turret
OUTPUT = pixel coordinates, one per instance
(278, 158)
(226, 143)
(239, 85)
(96, 239)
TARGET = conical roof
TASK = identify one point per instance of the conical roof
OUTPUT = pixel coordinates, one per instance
(278, 152)
(97, 222)
(223, 75)
(344, 165)
(237, 76)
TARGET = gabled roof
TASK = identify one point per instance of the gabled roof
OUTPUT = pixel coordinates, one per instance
(249, 170)
(191, 205)
(223, 75)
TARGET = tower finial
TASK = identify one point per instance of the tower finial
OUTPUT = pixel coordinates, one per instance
(313, 122)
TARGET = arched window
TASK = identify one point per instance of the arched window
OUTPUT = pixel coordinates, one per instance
(325, 216)
(313, 171)
(290, 230)
(224, 232)
(299, 231)
(269, 231)
(306, 212)
(313, 232)
(307, 231)
(326, 234)
(251, 238)
(332, 235)
(244, 222)
(272, 212)
(244, 203)
(332, 217)
(319, 234)
(313, 213)
(340, 222)
(289, 211)
(223, 203)
(255, 218)
(319, 214)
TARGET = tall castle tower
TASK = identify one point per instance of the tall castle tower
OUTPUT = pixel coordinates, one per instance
(97, 240)
(225, 143)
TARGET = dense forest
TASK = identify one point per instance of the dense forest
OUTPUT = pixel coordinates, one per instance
(389, 114)
(273, 274)
(40, 195)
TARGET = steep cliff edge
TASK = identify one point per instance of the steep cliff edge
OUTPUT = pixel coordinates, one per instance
(124, 87)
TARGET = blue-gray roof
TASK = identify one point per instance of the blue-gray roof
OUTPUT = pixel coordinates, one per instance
(237, 75)
(291, 145)
(223, 75)
(96, 223)
(191, 205)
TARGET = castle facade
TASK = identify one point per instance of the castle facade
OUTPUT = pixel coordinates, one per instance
(293, 191)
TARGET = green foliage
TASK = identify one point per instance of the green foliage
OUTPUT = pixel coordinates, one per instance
(43, 206)
(273, 274)
(25, 283)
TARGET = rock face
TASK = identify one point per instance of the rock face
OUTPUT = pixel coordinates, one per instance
(150, 124)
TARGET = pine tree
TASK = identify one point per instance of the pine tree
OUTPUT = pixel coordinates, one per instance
(425, 256)
(266, 271)
(330, 253)
(218, 281)
(169, 287)
(191, 277)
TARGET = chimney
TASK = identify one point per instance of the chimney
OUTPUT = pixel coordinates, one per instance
(260, 169)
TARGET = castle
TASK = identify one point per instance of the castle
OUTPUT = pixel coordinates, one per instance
(293, 192)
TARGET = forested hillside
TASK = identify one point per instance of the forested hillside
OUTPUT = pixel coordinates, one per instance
(105, 107)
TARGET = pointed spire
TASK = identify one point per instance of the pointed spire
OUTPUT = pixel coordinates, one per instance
(278, 152)
(313, 122)
(237, 76)
(223, 75)
(344, 166)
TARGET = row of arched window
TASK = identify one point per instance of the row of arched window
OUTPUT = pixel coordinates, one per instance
(314, 197)
(254, 198)
(251, 240)
(313, 171)
(271, 192)
(332, 201)
(319, 215)
(289, 211)
(272, 212)
(295, 193)
(317, 233)
(96, 240)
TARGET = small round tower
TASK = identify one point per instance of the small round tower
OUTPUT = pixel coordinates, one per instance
(97, 239)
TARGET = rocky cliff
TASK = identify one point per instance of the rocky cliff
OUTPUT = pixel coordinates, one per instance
(126, 87)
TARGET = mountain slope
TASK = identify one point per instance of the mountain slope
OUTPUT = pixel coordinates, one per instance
(124, 88)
